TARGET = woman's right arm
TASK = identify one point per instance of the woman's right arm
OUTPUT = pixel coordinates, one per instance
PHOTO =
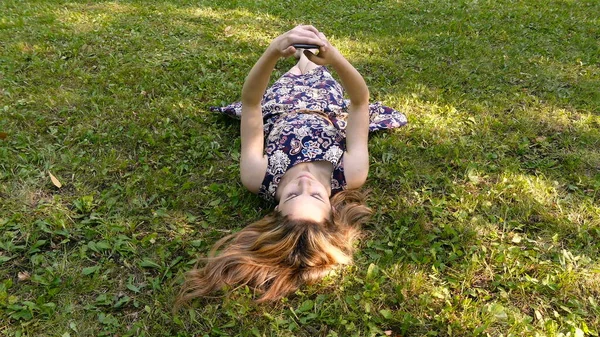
(253, 162)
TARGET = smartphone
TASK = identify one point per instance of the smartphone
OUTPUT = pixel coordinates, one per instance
(305, 46)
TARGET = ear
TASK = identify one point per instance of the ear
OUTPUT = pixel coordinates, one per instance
(334, 212)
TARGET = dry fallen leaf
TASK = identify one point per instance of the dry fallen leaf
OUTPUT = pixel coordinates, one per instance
(23, 276)
(517, 238)
(3, 135)
(227, 31)
(55, 181)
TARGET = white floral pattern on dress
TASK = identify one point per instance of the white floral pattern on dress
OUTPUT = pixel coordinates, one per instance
(272, 188)
(278, 162)
(302, 131)
(333, 154)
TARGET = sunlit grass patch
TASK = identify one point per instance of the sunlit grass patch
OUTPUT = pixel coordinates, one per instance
(86, 18)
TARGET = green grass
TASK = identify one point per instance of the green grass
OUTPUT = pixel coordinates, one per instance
(487, 206)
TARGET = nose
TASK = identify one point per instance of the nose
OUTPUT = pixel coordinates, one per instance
(304, 183)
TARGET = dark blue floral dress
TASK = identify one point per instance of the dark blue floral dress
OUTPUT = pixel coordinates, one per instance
(304, 121)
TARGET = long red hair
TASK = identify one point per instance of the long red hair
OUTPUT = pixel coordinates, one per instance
(276, 255)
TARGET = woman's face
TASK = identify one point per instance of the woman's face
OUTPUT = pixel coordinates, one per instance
(304, 197)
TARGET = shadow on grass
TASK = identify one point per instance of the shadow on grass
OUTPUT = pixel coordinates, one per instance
(463, 50)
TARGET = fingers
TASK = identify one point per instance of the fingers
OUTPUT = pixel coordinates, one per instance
(307, 34)
(289, 51)
(323, 37)
(314, 58)
(310, 28)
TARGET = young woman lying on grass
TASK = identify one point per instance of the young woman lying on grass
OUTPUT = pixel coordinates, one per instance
(304, 147)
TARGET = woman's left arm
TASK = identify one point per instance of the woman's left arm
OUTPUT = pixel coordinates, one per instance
(356, 157)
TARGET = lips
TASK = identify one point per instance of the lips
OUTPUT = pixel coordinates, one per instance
(306, 175)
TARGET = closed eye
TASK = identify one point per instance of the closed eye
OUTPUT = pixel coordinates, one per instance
(294, 195)
(290, 197)
(317, 196)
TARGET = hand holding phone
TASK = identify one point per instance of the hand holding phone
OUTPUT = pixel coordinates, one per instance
(305, 46)
(301, 37)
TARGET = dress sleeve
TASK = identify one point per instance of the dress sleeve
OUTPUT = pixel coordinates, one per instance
(233, 110)
(381, 117)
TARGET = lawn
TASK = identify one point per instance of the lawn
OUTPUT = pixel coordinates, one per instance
(115, 177)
